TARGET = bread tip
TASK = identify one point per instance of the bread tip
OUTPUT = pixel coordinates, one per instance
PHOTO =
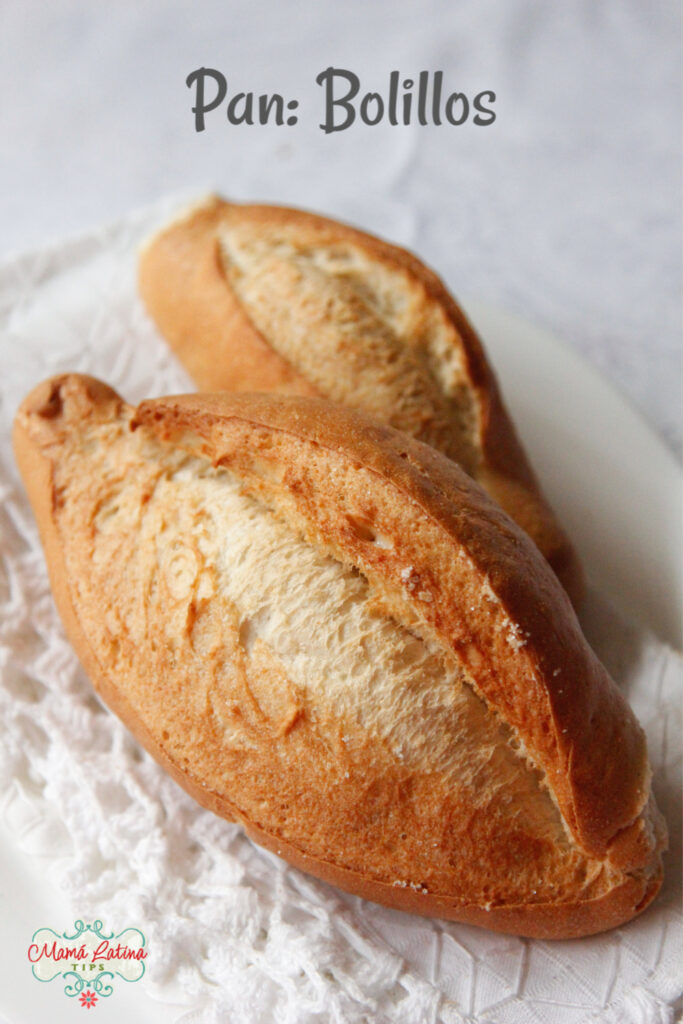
(45, 410)
(201, 204)
(45, 400)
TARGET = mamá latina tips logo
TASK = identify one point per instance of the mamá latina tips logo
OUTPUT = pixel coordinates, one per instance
(88, 960)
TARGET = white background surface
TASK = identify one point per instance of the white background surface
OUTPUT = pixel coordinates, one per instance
(566, 210)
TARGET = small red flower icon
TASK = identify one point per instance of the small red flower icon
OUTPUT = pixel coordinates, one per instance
(88, 998)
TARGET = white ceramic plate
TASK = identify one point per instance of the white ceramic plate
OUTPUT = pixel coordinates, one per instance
(618, 490)
(616, 487)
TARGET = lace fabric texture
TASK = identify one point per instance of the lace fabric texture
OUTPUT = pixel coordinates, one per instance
(238, 935)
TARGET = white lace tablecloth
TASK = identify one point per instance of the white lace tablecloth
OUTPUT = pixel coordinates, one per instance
(238, 935)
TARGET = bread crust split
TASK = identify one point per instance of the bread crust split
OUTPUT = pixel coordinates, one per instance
(328, 632)
(263, 298)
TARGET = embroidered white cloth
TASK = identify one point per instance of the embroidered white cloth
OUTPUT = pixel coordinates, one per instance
(237, 934)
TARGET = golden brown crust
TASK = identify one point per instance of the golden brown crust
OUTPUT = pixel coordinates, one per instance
(186, 288)
(574, 719)
(214, 339)
(342, 480)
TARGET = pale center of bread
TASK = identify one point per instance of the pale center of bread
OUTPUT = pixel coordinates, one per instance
(363, 332)
(183, 563)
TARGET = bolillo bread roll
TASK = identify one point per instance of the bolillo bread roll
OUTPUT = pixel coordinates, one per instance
(326, 631)
(259, 298)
